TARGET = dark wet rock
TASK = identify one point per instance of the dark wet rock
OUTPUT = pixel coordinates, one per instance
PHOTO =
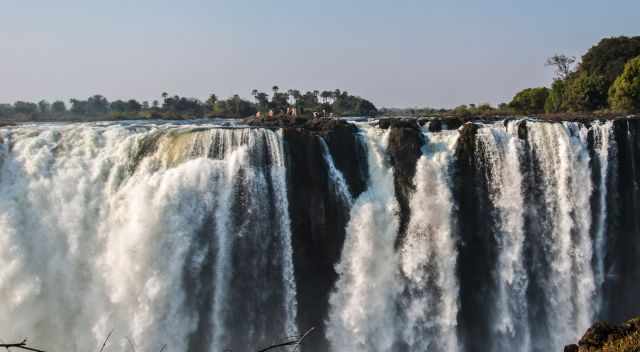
(398, 123)
(466, 142)
(311, 124)
(404, 150)
(571, 348)
(603, 336)
(522, 130)
(440, 124)
(621, 288)
(476, 246)
(318, 215)
(275, 122)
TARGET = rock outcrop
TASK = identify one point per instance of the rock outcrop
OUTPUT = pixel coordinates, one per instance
(318, 215)
(477, 247)
(604, 337)
(404, 150)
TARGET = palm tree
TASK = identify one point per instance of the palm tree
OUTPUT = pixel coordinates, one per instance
(325, 96)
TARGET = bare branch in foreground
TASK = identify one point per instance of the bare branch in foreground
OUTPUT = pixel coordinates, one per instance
(294, 342)
(20, 345)
(105, 341)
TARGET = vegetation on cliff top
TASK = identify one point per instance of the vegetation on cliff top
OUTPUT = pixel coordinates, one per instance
(336, 102)
(606, 81)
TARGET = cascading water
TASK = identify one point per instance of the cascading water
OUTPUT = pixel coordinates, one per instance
(603, 144)
(181, 234)
(501, 152)
(337, 178)
(565, 181)
(428, 320)
(362, 307)
(148, 230)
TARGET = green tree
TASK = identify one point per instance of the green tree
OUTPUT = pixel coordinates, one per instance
(44, 107)
(624, 94)
(6, 110)
(26, 108)
(97, 104)
(119, 106)
(555, 100)
(133, 106)
(211, 102)
(78, 107)
(530, 100)
(586, 92)
(609, 57)
(58, 107)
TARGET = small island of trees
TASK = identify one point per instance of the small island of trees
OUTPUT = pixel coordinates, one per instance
(98, 107)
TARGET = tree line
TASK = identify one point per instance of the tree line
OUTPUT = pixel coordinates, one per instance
(607, 79)
(335, 102)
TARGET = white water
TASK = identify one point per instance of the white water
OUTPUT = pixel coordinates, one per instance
(570, 285)
(337, 178)
(603, 143)
(502, 151)
(363, 310)
(98, 229)
(96, 235)
(429, 254)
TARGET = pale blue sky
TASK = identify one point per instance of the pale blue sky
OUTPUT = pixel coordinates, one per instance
(397, 53)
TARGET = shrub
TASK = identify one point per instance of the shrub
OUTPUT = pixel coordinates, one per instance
(586, 92)
(624, 94)
(530, 100)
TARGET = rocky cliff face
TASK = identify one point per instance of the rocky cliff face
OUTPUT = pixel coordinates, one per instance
(318, 215)
(621, 288)
(404, 149)
(477, 246)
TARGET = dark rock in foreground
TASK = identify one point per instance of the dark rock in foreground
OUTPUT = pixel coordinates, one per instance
(609, 338)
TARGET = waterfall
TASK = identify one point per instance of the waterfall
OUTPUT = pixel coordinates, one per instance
(569, 285)
(502, 151)
(428, 254)
(151, 231)
(362, 307)
(519, 234)
(337, 178)
(603, 143)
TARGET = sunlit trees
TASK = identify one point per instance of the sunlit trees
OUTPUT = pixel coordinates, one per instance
(624, 94)
(555, 100)
(530, 100)
(211, 102)
(585, 92)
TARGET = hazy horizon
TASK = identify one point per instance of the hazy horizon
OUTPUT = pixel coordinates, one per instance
(405, 54)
